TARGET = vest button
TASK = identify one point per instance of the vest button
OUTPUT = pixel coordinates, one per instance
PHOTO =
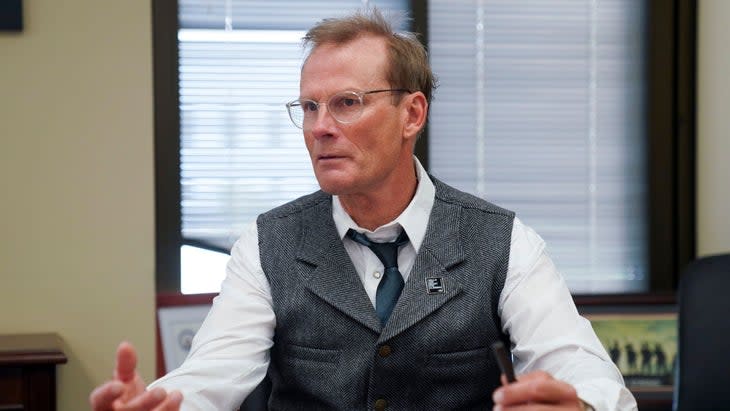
(384, 351)
(380, 404)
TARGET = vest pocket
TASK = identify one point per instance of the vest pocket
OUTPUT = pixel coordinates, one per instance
(458, 380)
(306, 375)
(456, 358)
(311, 354)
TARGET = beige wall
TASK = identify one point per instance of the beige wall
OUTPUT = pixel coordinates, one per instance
(76, 174)
(713, 127)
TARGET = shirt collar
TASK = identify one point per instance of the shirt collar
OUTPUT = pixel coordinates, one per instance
(413, 219)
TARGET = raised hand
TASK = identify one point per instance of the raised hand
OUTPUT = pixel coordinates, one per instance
(126, 391)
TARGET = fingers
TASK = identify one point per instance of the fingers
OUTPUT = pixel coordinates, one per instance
(102, 397)
(536, 387)
(503, 379)
(153, 400)
(538, 407)
(126, 392)
(536, 375)
(126, 362)
(108, 397)
(171, 403)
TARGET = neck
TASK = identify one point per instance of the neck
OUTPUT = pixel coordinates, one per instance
(374, 209)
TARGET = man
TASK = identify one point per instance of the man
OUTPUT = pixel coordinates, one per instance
(337, 322)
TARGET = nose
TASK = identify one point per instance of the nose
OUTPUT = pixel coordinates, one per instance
(323, 124)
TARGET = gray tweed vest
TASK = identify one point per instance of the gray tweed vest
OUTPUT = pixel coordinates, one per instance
(330, 351)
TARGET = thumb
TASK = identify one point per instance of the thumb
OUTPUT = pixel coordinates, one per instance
(125, 369)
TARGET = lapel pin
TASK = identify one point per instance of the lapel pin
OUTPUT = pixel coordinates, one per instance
(435, 285)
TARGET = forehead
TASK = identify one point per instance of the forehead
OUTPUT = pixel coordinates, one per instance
(355, 65)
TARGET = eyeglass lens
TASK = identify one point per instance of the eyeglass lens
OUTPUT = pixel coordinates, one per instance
(345, 107)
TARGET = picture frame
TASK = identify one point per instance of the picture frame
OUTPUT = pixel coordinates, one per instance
(11, 15)
(640, 333)
(179, 318)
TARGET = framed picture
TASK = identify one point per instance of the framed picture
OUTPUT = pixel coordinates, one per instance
(641, 339)
(643, 346)
(11, 15)
(178, 319)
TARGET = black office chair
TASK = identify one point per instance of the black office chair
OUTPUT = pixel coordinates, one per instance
(703, 373)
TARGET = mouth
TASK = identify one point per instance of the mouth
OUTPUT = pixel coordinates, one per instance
(326, 157)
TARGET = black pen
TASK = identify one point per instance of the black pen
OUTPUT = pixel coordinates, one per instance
(505, 364)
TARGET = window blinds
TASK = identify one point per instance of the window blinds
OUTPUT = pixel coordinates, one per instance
(239, 65)
(541, 110)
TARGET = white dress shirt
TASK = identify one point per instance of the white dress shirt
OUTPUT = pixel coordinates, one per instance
(230, 353)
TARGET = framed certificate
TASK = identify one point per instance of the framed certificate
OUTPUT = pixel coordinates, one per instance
(178, 326)
(178, 319)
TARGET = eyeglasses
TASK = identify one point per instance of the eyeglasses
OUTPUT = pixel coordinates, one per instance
(345, 107)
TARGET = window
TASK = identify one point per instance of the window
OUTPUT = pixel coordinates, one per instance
(240, 155)
(246, 121)
(542, 110)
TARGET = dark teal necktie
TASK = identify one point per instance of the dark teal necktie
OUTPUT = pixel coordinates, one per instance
(391, 284)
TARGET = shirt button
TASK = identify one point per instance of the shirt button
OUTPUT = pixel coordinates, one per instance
(376, 274)
(380, 404)
(384, 351)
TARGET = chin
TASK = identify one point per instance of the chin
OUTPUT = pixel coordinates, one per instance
(334, 186)
(332, 181)
(332, 189)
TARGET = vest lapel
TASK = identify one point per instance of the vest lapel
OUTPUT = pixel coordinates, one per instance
(332, 276)
(440, 251)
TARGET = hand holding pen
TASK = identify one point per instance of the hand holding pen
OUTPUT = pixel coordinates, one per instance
(535, 390)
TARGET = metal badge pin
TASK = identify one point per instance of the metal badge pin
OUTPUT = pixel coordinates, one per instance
(435, 285)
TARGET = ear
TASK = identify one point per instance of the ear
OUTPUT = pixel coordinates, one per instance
(415, 110)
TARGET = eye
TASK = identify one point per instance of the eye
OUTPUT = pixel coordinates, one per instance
(344, 101)
(309, 106)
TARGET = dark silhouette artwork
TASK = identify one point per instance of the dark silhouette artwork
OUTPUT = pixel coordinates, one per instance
(643, 347)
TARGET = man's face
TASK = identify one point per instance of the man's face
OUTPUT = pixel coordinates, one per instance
(362, 156)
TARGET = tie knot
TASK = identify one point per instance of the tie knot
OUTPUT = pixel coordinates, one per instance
(387, 253)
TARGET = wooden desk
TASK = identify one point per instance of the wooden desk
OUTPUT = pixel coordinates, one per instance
(28, 371)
